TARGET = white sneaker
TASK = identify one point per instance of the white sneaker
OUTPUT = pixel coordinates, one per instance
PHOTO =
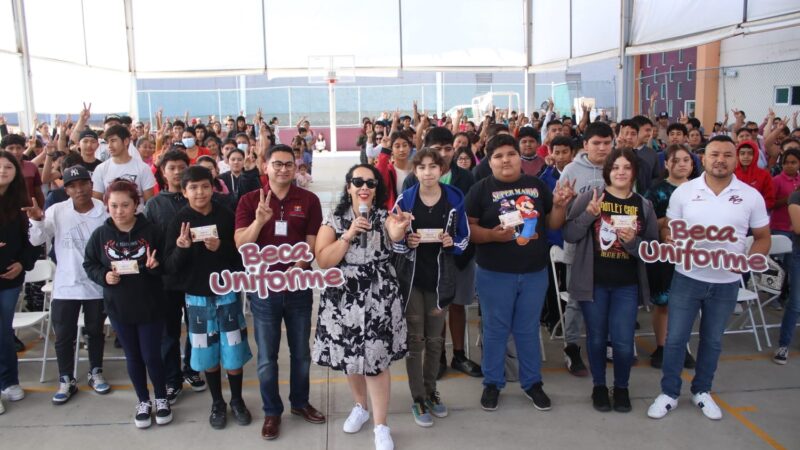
(357, 418)
(707, 404)
(383, 438)
(2, 407)
(661, 406)
(14, 393)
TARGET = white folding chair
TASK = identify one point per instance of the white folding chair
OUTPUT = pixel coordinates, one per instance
(746, 298)
(781, 245)
(557, 256)
(43, 270)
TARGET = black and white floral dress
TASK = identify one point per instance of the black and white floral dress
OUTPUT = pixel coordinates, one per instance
(361, 328)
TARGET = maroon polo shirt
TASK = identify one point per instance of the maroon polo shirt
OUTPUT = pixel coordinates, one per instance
(300, 208)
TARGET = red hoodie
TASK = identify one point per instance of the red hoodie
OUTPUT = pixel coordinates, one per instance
(755, 176)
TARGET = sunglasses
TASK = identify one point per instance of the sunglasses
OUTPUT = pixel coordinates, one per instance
(360, 182)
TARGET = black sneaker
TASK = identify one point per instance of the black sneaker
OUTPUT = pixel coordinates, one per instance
(688, 361)
(144, 415)
(463, 364)
(622, 402)
(219, 415)
(572, 357)
(240, 412)
(600, 399)
(540, 400)
(194, 380)
(173, 393)
(163, 411)
(657, 358)
(489, 398)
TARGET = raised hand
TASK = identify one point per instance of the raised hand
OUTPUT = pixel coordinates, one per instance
(263, 211)
(151, 262)
(185, 238)
(653, 96)
(684, 119)
(563, 193)
(593, 207)
(86, 113)
(400, 221)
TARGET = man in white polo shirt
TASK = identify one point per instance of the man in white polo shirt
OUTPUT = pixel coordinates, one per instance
(716, 198)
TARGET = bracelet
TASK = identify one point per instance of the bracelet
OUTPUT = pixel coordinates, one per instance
(341, 238)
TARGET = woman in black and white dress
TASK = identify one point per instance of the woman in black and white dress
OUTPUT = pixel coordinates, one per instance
(361, 329)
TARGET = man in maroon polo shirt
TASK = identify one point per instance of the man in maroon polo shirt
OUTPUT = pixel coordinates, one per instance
(281, 213)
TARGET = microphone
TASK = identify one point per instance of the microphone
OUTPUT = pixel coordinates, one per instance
(363, 209)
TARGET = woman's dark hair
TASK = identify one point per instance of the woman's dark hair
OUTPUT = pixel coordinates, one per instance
(427, 153)
(381, 194)
(400, 135)
(16, 195)
(213, 137)
(142, 140)
(206, 158)
(790, 152)
(120, 185)
(236, 150)
(671, 151)
(467, 151)
(613, 156)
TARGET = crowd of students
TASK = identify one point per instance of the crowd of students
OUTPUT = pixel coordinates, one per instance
(437, 213)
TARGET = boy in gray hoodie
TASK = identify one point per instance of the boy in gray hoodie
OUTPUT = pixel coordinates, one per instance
(587, 173)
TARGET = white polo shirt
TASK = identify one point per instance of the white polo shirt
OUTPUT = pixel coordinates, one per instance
(738, 205)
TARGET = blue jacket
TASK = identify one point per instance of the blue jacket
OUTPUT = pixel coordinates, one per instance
(457, 226)
(550, 176)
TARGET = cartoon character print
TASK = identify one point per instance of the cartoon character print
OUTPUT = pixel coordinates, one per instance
(506, 206)
(526, 207)
(119, 251)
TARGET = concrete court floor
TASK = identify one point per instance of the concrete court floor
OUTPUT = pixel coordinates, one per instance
(759, 401)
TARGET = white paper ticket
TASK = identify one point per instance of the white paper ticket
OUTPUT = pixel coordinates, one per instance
(199, 234)
(125, 266)
(624, 221)
(428, 235)
(511, 219)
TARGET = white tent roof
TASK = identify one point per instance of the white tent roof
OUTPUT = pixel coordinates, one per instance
(95, 49)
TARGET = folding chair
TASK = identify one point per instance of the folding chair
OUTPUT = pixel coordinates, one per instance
(557, 256)
(781, 245)
(747, 298)
(43, 270)
(81, 326)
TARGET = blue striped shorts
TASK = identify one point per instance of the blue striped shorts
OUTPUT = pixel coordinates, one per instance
(217, 331)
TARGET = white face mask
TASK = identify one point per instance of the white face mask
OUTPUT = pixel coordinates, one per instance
(242, 147)
(188, 142)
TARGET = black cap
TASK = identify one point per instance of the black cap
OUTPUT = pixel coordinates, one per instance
(111, 117)
(75, 173)
(178, 146)
(663, 115)
(88, 133)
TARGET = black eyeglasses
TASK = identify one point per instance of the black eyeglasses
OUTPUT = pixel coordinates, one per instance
(360, 182)
(279, 165)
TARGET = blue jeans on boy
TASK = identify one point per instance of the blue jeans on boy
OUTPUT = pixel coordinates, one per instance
(792, 309)
(612, 312)
(511, 304)
(687, 296)
(293, 308)
(9, 373)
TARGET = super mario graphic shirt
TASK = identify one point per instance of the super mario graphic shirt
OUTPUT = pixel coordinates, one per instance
(612, 263)
(527, 200)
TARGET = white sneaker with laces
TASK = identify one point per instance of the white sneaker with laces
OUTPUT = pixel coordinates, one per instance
(662, 405)
(357, 418)
(706, 403)
(14, 393)
(143, 417)
(383, 438)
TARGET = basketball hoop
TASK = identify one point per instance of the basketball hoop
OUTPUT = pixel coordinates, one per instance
(329, 70)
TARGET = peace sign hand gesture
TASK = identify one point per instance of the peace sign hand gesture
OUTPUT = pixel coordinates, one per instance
(398, 223)
(34, 212)
(185, 238)
(593, 207)
(263, 211)
(151, 262)
(86, 112)
(563, 193)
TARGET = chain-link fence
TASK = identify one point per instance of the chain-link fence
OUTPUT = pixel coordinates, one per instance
(753, 89)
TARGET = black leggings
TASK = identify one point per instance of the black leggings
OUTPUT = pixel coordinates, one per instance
(142, 345)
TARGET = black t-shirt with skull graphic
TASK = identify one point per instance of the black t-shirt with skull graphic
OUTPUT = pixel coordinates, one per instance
(613, 265)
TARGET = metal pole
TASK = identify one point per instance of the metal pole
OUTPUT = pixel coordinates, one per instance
(219, 105)
(358, 97)
(289, 97)
(21, 29)
(332, 113)
(134, 103)
(149, 109)
(439, 93)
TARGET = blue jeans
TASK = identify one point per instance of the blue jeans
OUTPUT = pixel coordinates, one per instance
(294, 309)
(511, 304)
(612, 312)
(792, 310)
(687, 296)
(9, 374)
